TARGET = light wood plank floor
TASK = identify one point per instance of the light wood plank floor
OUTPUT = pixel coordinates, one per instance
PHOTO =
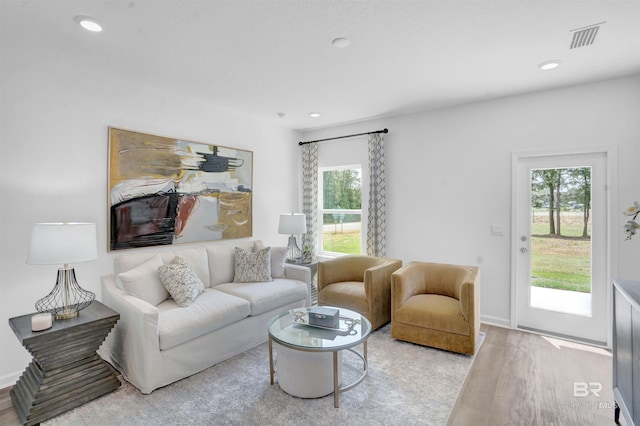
(522, 378)
(517, 378)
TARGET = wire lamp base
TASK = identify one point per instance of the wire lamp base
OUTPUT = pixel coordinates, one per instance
(67, 298)
(294, 253)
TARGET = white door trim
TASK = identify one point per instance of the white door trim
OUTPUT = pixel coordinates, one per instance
(612, 232)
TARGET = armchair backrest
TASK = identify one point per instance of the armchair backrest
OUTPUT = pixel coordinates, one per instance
(446, 279)
(440, 278)
(346, 268)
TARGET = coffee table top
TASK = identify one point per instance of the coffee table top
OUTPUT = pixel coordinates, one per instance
(285, 330)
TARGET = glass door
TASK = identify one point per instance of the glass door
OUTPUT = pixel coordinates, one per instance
(561, 255)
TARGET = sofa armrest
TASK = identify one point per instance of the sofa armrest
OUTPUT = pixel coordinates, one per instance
(133, 346)
(138, 316)
(297, 272)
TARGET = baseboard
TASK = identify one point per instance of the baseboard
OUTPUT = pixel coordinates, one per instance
(565, 337)
(498, 322)
(9, 380)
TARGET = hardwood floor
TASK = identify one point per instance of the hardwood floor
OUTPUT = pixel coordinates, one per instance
(517, 378)
(8, 416)
(521, 378)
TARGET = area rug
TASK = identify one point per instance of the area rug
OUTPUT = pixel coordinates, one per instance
(406, 384)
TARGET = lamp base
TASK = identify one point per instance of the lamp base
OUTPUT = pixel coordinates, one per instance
(294, 253)
(67, 298)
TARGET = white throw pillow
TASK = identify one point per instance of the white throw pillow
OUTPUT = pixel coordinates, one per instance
(278, 259)
(180, 281)
(252, 267)
(144, 283)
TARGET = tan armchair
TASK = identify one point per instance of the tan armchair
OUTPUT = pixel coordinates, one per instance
(359, 283)
(436, 305)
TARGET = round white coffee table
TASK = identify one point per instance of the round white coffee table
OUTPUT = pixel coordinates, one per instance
(310, 358)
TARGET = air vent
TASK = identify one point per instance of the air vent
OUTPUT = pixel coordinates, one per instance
(584, 36)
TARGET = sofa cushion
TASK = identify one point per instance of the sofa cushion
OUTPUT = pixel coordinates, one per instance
(180, 281)
(252, 267)
(433, 311)
(143, 281)
(222, 263)
(265, 296)
(211, 311)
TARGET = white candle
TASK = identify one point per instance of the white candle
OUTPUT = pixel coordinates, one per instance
(41, 322)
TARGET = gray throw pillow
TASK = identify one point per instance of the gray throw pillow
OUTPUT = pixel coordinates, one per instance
(252, 267)
(180, 281)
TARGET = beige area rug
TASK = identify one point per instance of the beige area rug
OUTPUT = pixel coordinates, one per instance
(407, 384)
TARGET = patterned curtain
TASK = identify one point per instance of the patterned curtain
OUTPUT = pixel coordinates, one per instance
(310, 194)
(377, 218)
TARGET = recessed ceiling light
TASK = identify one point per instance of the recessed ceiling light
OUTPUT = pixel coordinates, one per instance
(88, 23)
(341, 42)
(549, 65)
(314, 114)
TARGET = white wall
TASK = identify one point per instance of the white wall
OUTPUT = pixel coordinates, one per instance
(55, 111)
(449, 174)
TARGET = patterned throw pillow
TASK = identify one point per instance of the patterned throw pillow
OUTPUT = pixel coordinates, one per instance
(252, 267)
(278, 258)
(180, 281)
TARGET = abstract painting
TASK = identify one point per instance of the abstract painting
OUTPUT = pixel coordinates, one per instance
(167, 191)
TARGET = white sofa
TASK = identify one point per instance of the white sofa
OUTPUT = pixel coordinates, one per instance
(155, 345)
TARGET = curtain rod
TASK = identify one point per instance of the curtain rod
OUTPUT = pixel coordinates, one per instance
(342, 137)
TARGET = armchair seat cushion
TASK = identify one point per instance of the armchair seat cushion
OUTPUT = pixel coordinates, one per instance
(348, 294)
(433, 311)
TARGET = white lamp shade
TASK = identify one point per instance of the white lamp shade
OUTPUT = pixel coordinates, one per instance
(59, 243)
(292, 224)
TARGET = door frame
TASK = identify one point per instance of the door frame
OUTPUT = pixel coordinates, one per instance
(611, 153)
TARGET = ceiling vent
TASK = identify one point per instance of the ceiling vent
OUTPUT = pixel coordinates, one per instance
(584, 36)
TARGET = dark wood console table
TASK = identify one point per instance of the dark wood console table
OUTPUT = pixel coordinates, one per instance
(66, 371)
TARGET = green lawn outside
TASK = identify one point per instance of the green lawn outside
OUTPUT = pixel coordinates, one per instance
(347, 241)
(561, 263)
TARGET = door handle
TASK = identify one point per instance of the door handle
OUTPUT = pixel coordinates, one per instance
(523, 250)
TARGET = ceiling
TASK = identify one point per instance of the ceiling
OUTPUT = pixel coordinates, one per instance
(274, 58)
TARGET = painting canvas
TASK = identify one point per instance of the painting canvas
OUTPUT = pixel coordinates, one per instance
(166, 191)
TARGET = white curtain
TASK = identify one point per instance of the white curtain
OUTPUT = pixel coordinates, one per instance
(376, 223)
(310, 194)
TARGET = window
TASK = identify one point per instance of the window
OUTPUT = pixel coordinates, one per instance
(340, 204)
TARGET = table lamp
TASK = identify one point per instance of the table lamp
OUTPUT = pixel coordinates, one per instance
(293, 224)
(63, 243)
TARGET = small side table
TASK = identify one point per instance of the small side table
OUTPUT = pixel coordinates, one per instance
(313, 265)
(66, 371)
